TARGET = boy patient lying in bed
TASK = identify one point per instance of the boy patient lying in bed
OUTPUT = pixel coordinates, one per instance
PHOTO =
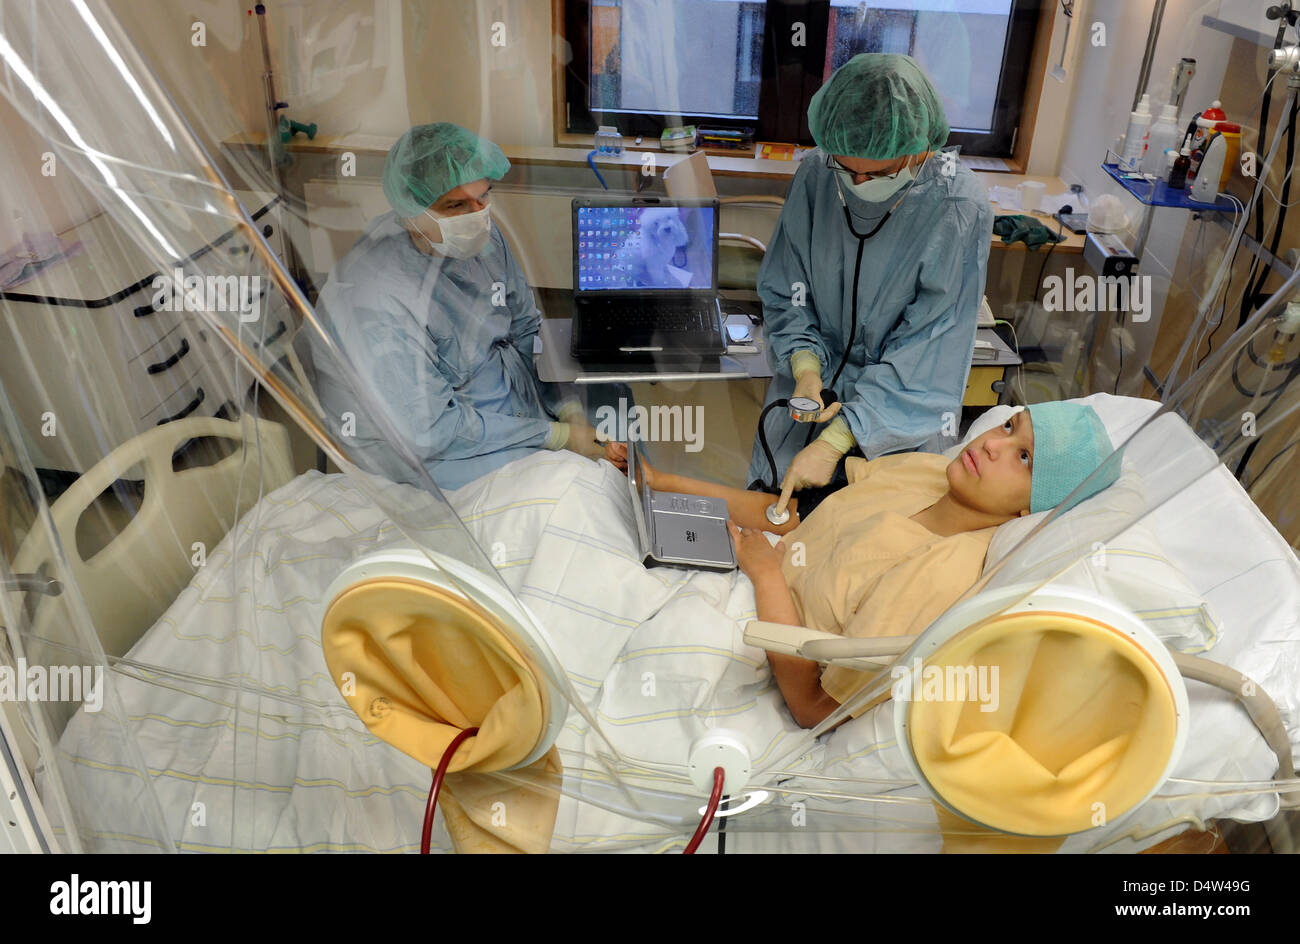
(891, 551)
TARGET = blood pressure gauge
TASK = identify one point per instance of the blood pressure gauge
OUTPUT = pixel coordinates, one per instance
(804, 409)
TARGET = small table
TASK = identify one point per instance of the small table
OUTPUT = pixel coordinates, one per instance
(556, 365)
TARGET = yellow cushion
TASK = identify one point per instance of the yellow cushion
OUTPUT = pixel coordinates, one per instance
(1083, 726)
(419, 664)
(427, 664)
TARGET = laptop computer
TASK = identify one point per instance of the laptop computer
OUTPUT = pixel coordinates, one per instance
(679, 530)
(645, 280)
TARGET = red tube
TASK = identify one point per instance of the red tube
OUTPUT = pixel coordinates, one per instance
(436, 787)
(719, 775)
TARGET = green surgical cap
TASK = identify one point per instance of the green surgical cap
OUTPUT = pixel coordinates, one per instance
(1070, 443)
(430, 160)
(878, 106)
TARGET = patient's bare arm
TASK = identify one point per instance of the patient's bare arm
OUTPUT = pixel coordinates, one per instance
(798, 679)
(747, 508)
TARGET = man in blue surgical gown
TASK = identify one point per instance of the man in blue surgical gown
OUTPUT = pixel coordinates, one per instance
(879, 173)
(438, 321)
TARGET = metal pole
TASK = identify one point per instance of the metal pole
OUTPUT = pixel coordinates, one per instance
(275, 149)
(1153, 34)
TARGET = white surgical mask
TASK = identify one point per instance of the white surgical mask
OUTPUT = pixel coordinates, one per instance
(880, 189)
(462, 236)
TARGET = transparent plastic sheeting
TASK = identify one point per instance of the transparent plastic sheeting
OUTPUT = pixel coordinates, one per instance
(173, 551)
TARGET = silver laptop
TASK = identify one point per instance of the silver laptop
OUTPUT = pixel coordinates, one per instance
(680, 530)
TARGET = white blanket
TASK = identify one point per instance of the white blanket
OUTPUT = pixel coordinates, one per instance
(656, 653)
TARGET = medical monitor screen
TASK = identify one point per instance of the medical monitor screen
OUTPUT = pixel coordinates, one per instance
(644, 247)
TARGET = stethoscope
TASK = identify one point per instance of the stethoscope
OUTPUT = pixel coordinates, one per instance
(857, 265)
(805, 409)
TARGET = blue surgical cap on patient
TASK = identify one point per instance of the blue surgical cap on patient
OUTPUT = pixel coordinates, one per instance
(430, 160)
(878, 106)
(1070, 443)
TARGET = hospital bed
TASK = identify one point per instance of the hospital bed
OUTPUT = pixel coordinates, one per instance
(192, 479)
(222, 727)
(249, 744)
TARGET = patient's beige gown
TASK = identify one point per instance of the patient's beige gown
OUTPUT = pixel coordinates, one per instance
(859, 566)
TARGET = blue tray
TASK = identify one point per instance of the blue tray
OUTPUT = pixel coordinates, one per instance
(1160, 194)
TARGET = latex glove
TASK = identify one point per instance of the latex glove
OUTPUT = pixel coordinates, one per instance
(809, 384)
(807, 372)
(571, 411)
(585, 441)
(814, 464)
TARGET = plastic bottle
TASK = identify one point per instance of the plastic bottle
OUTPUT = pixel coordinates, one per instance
(1206, 188)
(1162, 137)
(1135, 137)
(609, 143)
(1178, 174)
(1232, 136)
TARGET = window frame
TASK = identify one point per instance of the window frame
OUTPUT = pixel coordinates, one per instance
(578, 117)
(791, 75)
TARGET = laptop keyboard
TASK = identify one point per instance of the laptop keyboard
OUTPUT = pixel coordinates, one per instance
(656, 318)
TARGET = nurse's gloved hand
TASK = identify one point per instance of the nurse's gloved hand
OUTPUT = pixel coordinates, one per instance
(571, 411)
(584, 440)
(806, 369)
(813, 465)
(809, 384)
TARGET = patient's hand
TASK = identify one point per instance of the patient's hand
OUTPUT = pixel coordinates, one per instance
(758, 559)
(649, 474)
(616, 453)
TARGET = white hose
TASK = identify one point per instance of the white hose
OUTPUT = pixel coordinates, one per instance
(1202, 315)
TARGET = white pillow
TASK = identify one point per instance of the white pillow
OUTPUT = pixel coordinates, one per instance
(1100, 546)
(1131, 568)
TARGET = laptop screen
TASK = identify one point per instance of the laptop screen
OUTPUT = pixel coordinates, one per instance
(644, 248)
